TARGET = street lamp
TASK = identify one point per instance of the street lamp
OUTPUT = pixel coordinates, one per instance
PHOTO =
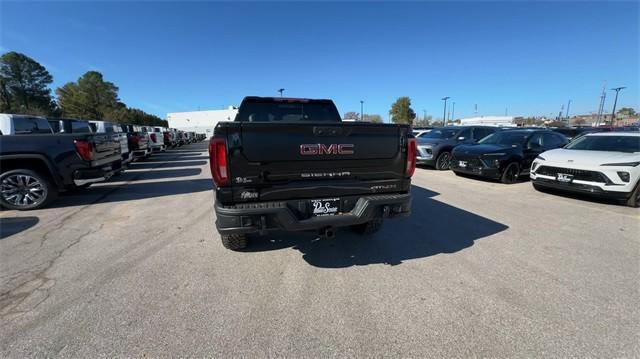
(567, 114)
(361, 110)
(281, 91)
(615, 102)
(444, 114)
(453, 111)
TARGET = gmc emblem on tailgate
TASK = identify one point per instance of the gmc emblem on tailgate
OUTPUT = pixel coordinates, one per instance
(319, 149)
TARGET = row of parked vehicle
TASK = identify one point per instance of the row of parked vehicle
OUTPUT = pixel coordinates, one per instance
(604, 163)
(40, 157)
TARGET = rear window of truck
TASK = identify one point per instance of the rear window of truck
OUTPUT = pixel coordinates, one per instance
(30, 125)
(288, 112)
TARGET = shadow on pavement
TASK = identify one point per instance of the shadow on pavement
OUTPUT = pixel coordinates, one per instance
(158, 173)
(170, 163)
(433, 228)
(13, 225)
(106, 193)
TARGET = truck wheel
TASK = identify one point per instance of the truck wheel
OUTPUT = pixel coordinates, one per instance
(234, 241)
(24, 189)
(510, 174)
(369, 227)
(444, 161)
(634, 199)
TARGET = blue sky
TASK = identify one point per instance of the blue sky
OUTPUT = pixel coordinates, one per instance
(167, 56)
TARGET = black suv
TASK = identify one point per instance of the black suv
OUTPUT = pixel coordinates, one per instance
(505, 155)
(435, 146)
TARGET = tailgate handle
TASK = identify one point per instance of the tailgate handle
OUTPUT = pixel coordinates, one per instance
(324, 131)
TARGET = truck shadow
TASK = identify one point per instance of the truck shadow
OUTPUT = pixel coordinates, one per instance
(433, 228)
(14, 225)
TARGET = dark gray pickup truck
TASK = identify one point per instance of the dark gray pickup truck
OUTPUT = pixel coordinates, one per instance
(36, 164)
(293, 165)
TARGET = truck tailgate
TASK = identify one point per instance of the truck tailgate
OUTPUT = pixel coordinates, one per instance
(273, 161)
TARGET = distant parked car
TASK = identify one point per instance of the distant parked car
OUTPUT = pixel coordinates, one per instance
(138, 141)
(36, 164)
(115, 130)
(599, 164)
(505, 155)
(435, 146)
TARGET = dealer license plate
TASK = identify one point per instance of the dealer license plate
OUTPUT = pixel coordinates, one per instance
(462, 164)
(325, 207)
(563, 177)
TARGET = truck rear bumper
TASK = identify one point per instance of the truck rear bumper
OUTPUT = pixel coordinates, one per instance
(266, 216)
(93, 175)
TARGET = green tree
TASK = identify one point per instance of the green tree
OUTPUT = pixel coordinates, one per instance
(352, 115)
(90, 98)
(372, 118)
(24, 85)
(401, 111)
(627, 111)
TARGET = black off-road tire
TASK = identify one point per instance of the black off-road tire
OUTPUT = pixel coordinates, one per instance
(234, 242)
(370, 227)
(634, 199)
(49, 190)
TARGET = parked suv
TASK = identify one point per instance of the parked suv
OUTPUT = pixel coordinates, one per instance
(505, 155)
(36, 164)
(598, 164)
(435, 146)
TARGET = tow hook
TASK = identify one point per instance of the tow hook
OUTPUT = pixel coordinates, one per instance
(328, 233)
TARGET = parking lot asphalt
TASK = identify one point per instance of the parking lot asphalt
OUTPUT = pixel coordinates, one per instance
(134, 267)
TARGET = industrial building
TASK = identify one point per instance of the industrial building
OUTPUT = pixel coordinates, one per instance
(502, 121)
(200, 121)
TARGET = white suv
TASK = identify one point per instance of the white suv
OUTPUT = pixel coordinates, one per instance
(600, 164)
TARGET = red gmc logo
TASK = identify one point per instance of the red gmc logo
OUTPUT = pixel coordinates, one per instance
(319, 149)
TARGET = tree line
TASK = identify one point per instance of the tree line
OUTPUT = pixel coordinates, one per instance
(24, 89)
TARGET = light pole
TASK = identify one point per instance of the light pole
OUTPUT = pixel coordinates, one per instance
(615, 102)
(424, 116)
(444, 114)
(281, 91)
(453, 111)
(567, 113)
(361, 110)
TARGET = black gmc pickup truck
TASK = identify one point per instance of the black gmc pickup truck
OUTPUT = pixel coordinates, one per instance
(293, 165)
(36, 164)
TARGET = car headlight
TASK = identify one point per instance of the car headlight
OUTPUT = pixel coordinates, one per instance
(623, 164)
(540, 158)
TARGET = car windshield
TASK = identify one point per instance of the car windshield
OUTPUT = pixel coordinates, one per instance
(507, 138)
(628, 144)
(441, 133)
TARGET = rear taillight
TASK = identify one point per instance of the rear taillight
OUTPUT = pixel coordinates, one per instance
(218, 161)
(135, 139)
(84, 149)
(153, 137)
(412, 151)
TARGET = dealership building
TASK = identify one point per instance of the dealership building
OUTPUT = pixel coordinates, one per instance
(501, 121)
(200, 121)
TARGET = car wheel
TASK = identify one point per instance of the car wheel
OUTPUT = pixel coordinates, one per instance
(511, 173)
(634, 199)
(24, 189)
(444, 161)
(234, 242)
(369, 227)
